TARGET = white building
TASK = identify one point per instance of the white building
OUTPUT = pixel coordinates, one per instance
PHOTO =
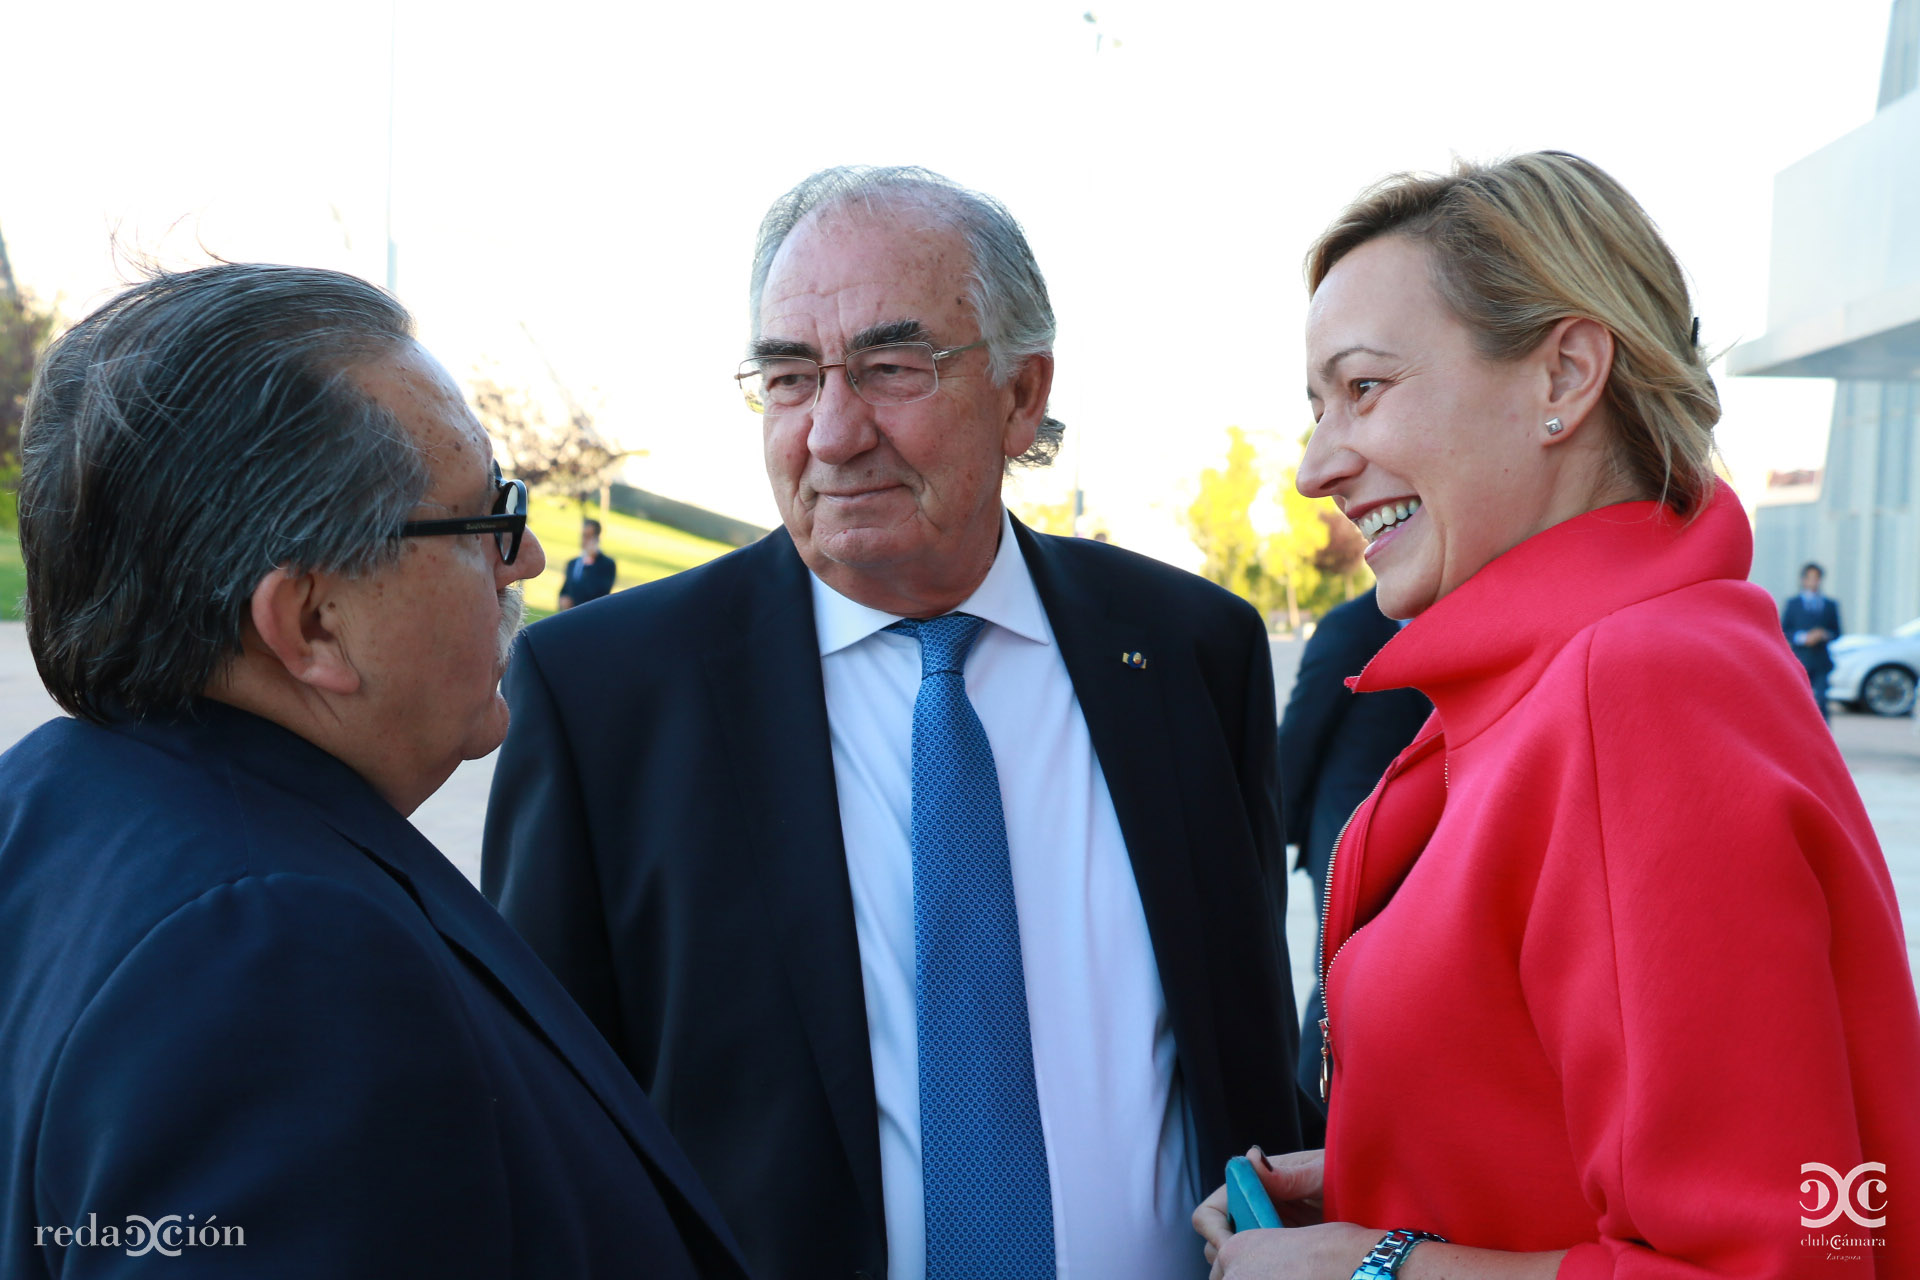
(1843, 302)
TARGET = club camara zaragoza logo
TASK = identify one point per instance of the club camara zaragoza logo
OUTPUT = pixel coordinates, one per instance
(1853, 1194)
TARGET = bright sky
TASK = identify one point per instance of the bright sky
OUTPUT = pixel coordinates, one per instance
(595, 173)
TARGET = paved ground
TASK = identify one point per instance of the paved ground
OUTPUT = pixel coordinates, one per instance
(23, 700)
(1883, 754)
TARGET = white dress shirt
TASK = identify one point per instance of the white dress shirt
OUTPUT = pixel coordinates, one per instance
(1114, 1114)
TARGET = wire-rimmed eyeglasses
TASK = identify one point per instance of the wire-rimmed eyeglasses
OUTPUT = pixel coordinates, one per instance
(890, 374)
(507, 523)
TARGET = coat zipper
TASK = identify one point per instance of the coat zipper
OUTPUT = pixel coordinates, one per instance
(1326, 964)
(1326, 911)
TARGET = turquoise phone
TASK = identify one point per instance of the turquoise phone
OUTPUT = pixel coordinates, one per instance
(1248, 1204)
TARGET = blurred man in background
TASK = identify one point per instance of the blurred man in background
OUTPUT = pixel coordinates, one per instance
(590, 574)
(1812, 623)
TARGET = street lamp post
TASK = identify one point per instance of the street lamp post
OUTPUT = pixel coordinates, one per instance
(393, 57)
(1080, 494)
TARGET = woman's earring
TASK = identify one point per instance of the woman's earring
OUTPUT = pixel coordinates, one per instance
(1555, 426)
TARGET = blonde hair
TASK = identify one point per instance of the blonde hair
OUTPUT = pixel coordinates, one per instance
(1521, 245)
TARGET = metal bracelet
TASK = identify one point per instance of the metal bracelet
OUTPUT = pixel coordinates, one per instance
(1384, 1262)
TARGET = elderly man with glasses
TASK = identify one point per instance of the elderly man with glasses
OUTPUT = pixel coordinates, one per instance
(255, 1023)
(927, 872)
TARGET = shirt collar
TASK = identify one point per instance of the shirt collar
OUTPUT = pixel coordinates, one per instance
(278, 756)
(1006, 597)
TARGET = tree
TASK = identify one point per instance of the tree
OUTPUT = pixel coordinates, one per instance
(1307, 562)
(1221, 524)
(570, 456)
(1043, 517)
(25, 329)
(1293, 553)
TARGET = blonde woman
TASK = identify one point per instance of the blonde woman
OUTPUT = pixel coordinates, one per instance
(1612, 957)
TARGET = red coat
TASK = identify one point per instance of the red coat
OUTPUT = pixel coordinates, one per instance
(1650, 962)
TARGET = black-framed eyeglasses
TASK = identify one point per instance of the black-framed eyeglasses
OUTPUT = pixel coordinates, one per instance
(890, 374)
(507, 523)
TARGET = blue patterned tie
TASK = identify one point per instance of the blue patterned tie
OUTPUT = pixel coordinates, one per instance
(983, 1157)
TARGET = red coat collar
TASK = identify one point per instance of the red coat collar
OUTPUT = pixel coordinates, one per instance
(1477, 650)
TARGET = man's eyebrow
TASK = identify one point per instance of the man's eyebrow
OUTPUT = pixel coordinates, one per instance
(879, 335)
(764, 348)
(874, 335)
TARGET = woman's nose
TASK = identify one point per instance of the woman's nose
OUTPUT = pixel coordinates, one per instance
(1326, 465)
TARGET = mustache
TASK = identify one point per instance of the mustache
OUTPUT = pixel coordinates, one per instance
(513, 615)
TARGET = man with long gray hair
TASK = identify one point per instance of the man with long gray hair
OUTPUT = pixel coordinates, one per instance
(251, 1016)
(927, 871)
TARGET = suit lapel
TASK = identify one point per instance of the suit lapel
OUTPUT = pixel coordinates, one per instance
(764, 675)
(1134, 736)
(470, 925)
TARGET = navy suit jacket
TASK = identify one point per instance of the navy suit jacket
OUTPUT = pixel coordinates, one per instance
(1334, 743)
(236, 984)
(1797, 617)
(664, 830)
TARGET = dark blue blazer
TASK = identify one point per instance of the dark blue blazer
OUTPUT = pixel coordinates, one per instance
(1797, 617)
(664, 831)
(238, 987)
(1334, 743)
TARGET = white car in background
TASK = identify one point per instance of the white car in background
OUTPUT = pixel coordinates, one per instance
(1877, 673)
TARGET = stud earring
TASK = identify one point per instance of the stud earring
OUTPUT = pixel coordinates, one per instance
(1555, 426)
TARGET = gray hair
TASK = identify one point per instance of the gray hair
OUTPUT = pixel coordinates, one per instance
(1004, 285)
(180, 443)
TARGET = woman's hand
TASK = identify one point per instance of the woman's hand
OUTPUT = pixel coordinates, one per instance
(1293, 1183)
(1329, 1251)
(1306, 1249)
(1309, 1249)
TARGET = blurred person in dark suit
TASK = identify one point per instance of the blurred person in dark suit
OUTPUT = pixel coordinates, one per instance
(1812, 623)
(273, 574)
(590, 574)
(1334, 745)
(905, 820)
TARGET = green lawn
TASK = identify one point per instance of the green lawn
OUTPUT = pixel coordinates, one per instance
(643, 549)
(13, 577)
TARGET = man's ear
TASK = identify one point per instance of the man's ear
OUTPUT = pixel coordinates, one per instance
(296, 617)
(1032, 384)
(1577, 359)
